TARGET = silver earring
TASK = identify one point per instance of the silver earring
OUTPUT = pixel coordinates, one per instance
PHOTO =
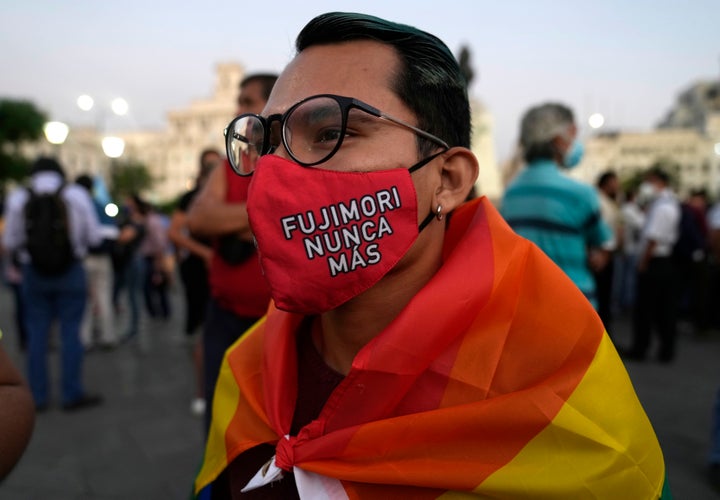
(438, 213)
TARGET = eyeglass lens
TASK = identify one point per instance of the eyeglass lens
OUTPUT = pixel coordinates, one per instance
(245, 143)
(312, 132)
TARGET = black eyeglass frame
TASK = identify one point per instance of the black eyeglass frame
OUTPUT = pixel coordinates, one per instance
(345, 103)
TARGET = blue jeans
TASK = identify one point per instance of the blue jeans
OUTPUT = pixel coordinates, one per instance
(49, 298)
(133, 275)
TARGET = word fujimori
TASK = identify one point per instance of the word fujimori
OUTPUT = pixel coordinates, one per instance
(338, 231)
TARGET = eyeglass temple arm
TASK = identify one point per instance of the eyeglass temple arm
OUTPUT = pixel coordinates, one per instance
(420, 132)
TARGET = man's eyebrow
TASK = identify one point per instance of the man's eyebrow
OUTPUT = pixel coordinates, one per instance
(358, 116)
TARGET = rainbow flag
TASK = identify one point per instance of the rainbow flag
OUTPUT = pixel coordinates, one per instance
(497, 380)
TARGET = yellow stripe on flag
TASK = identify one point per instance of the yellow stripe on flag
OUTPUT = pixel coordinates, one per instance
(600, 439)
(223, 411)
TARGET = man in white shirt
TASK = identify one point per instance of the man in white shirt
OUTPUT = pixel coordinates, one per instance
(58, 296)
(656, 301)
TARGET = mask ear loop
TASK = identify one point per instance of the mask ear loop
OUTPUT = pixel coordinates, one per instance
(427, 220)
(432, 214)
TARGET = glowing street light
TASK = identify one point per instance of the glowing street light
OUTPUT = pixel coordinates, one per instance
(85, 102)
(55, 132)
(717, 148)
(119, 106)
(113, 147)
(111, 210)
(596, 120)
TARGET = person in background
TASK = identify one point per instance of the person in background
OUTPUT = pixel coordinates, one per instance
(656, 299)
(415, 347)
(239, 294)
(129, 263)
(154, 250)
(61, 296)
(633, 219)
(12, 276)
(195, 257)
(608, 187)
(99, 315)
(690, 259)
(559, 214)
(713, 324)
(17, 414)
(712, 320)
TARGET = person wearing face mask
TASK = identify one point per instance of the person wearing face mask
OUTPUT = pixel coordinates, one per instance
(656, 298)
(415, 345)
(560, 215)
(238, 293)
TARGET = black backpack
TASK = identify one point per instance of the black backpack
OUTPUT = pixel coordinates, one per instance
(47, 232)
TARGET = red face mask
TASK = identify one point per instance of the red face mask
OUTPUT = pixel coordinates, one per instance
(325, 236)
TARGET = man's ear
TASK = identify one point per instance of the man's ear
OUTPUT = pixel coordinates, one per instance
(459, 172)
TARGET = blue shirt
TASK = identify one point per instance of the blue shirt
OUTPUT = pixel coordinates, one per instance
(561, 216)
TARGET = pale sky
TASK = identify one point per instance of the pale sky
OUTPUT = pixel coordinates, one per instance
(627, 59)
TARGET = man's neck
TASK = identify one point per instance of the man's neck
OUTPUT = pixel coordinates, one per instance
(341, 333)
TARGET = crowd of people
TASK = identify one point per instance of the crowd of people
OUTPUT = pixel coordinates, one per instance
(392, 323)
(632, 246)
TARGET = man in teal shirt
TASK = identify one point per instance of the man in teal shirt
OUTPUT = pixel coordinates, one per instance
(557, 213)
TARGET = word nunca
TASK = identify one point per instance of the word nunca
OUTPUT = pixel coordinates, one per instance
(339, 231)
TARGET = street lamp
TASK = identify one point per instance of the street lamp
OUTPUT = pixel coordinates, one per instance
(119, 106)
(85, 102)
(113, 147)
(56, 133)
(596, 120)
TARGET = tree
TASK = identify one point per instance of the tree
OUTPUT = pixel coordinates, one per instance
(129, 177)
(20, 121)
(465, 67)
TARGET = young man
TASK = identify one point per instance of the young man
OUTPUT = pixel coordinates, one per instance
(239, 295)
(406, 355)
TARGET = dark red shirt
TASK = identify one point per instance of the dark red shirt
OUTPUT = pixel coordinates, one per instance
(240, 288)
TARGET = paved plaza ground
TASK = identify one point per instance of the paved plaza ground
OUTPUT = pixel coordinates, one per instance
(143, 443)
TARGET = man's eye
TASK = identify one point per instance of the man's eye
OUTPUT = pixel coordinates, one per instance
(327, 136)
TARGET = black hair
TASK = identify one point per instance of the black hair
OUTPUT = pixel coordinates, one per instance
(47, 164)
(143, 207)
(658, 173)
(85, 181)
(429, 81)
(207, 152)
(266, 81)
(606, 177)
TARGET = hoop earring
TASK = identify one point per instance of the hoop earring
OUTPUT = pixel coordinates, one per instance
(438, 213)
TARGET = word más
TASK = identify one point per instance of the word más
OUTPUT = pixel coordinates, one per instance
(339, 231)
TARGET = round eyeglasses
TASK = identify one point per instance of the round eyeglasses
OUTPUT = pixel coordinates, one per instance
(311, 131)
